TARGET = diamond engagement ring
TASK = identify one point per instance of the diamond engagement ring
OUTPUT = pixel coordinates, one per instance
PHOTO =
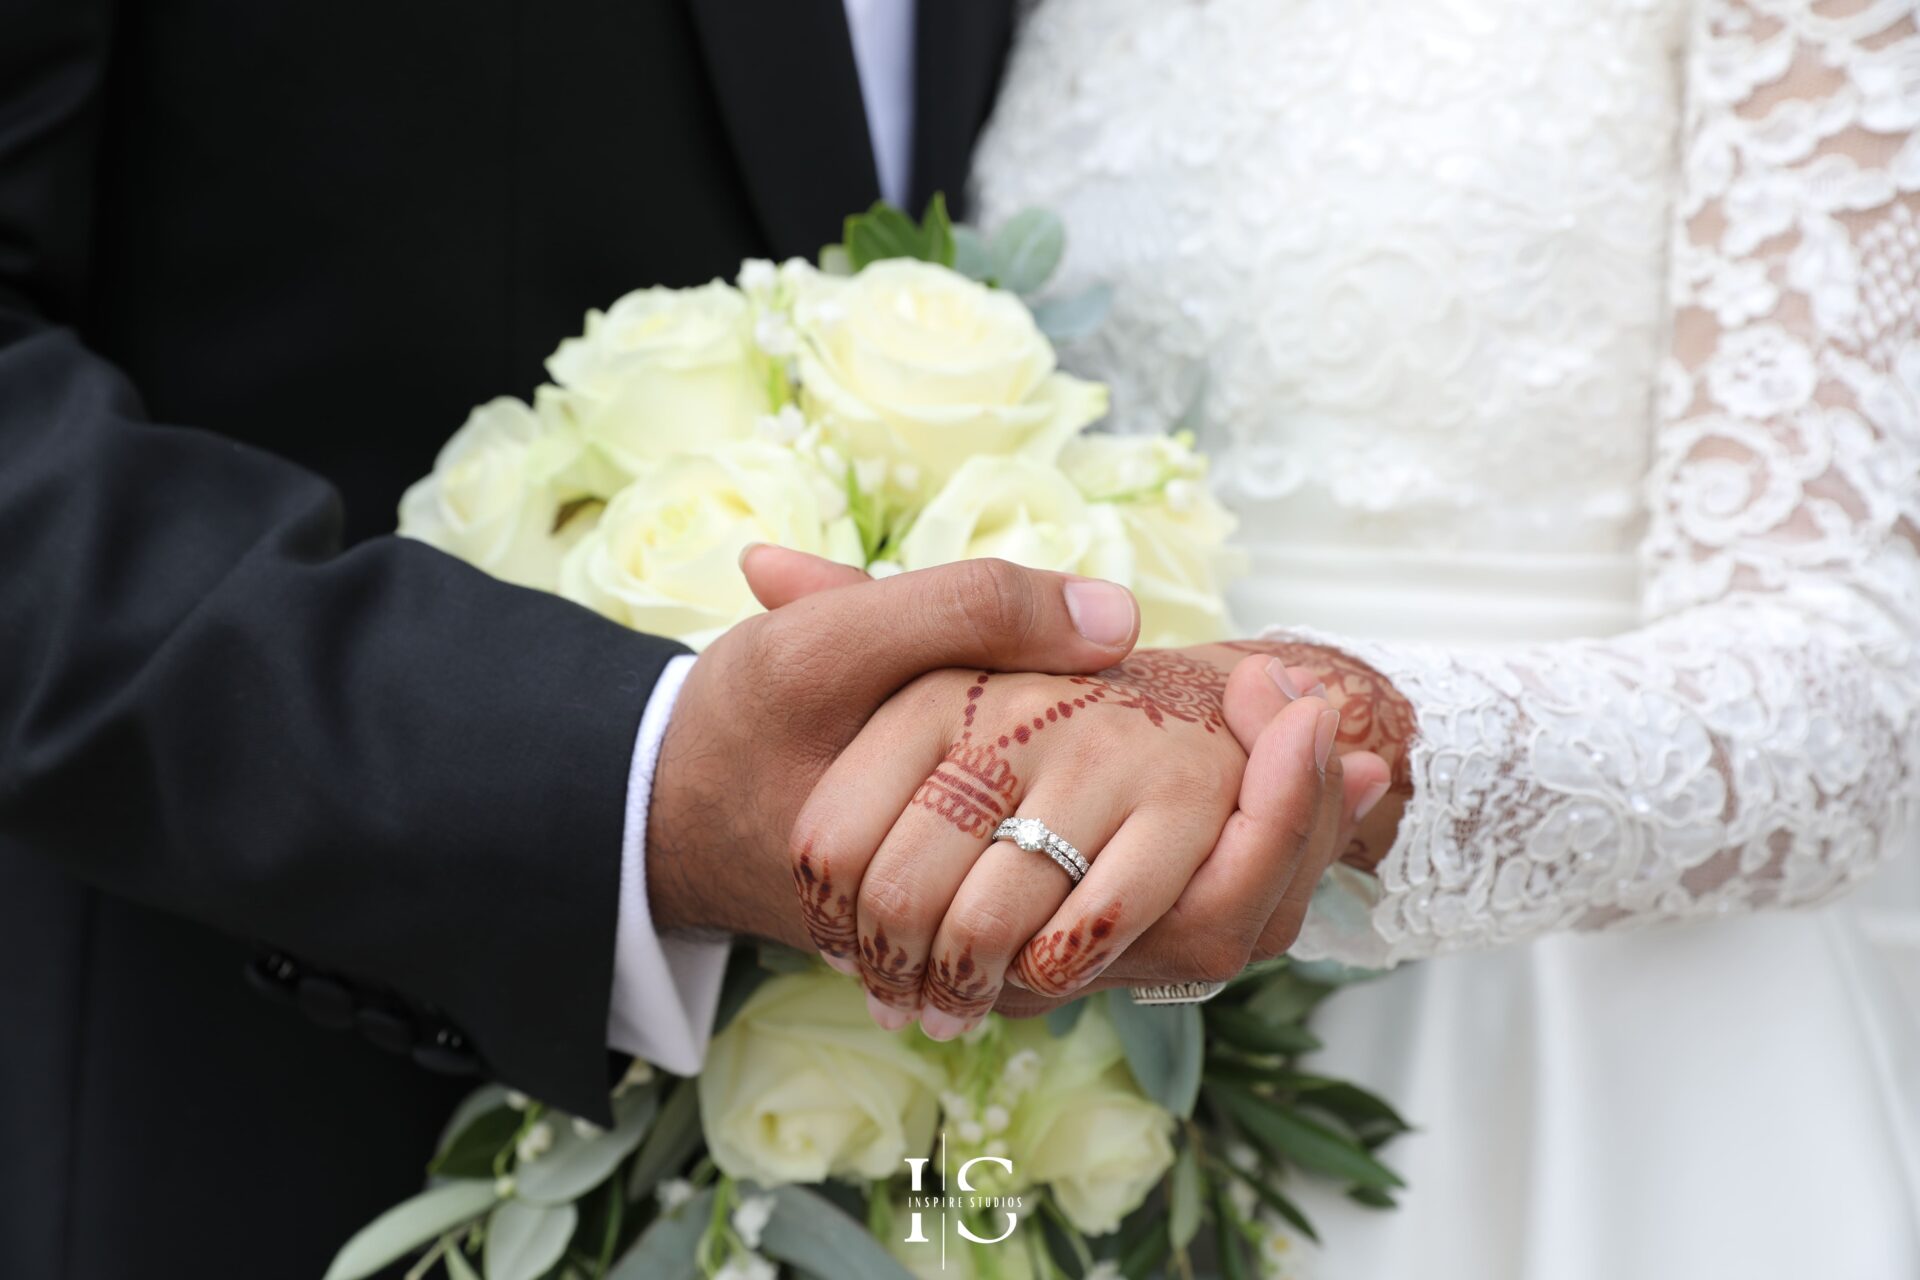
(1033, 836)
(1178, 993)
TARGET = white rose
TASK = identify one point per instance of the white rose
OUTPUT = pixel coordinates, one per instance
(802, 1086)
(496, 490)
(919, 364)
(1005, 1260)
(1086, 1130)
(664, 558)
(1176, 527)
(1020, 510)
(663, 371)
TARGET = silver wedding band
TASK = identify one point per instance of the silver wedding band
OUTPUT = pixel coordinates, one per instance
(1035, 837)
(1178, 993)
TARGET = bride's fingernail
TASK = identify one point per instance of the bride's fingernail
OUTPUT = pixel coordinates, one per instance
(941, 1025)
(889, 1018)
(1323, 732)
(841, 964)
(1277, 672)
(748, 550)
(1369, 798)
(1318, 691)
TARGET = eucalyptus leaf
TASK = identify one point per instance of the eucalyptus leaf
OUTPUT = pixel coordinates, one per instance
(1308, 1144)
(472, 1151)
(524, 1240)
(1271, 1197)
(1062, 1021)
(675, 1136)
(972, 257)
(1189, 1190)
(1232, 1245)
(665, 1250)
(1165, 1047)
(808, 1231)
(1249, 1031)
(575, 1164)
(1027, 249)
(1074, 316)
(471, 1108)
(410, 1224)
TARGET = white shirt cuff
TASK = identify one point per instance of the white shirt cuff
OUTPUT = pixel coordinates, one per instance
(665, 989)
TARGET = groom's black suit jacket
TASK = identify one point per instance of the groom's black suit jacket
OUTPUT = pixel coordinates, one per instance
(257, 258)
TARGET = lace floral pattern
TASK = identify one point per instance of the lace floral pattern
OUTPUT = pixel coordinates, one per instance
(1755, 742)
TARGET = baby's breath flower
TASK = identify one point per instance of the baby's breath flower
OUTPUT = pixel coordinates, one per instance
(586, 1129)
(996, 1119)
(518, 1100)
(673, 1193)
(783, 427)
(535, 1142)
(758, 276)
(971, 1133)
(747, 1266)
(750, 1218)
(870, 474)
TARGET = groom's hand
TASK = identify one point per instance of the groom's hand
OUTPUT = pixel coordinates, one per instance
(768, 706)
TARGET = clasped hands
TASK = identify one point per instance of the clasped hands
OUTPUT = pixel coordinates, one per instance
(835, 769)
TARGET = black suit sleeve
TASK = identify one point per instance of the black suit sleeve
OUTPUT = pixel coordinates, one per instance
(379, 759)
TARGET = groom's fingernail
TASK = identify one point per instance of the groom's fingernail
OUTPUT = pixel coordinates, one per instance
(889, 1018)
(1318, 691)
(1103, 612)
(1323, 737)
(1277, 672)
(841, 964)
(1369, 798)
(748, 550)
(941, 1025)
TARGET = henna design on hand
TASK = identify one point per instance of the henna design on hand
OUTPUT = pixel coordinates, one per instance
(889, 972)
(972, 788)
(1061, 962)
(1163, 683)
(959, 988)
(829, 917)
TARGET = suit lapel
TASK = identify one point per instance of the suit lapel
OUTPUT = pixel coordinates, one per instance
(790, 94)
(960, 47)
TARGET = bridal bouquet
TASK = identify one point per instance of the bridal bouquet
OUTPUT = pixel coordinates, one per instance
(895, 407)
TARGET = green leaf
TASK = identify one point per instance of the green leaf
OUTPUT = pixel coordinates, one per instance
(1231, 1244)
(1372, 1197)
(972, 257)
(1165, 1047)
(576, 1165)
(1187, 1195)
(1075, 316)
(523, 1240)
(1062, 1021)
(1146, 1255)
(881, 232)
(810, 1232)
(410, 1224)
(835, 260)
(1370, 1116)
(936, 232)
(665, 1250)
(1027, 249)
(471, 1108)
(674, 1138)
(1274, 1200)
(1302, 1141)
(471, 1153)
(1250, 1032)
(458, 1268)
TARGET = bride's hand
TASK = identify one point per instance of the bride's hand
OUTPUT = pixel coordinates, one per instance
(1137, 766)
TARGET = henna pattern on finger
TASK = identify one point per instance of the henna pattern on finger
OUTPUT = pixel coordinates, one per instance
(1061, 962)
(972, 788)
(889, 972)
(829, 916)
(959, 988)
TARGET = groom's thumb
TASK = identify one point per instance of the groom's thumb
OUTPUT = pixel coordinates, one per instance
(778, 576)
(973, 613)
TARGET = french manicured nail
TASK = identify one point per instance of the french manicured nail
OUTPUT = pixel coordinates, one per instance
(889, 1018)
(1329, 724)
(1369, 798)
(1318, 691)
(748, 550)
(1103, 612)
(841, 964)
(1277, 672)
(941, 1025)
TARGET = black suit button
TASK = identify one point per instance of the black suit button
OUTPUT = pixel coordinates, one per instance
(272, 974)
(447, 1053)
(326, 1002)
(391, 1030)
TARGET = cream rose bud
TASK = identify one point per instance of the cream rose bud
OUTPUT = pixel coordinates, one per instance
(1086, 1130)
(495, 492)
(916, 363)
(803, 1086)
(1175, 526)
(662, 371)
(664, 558)
(1021, 510)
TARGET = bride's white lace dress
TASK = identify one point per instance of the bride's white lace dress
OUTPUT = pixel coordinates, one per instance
(1562, 362)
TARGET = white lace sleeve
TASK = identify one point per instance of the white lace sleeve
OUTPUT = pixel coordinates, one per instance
(1755, 743)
